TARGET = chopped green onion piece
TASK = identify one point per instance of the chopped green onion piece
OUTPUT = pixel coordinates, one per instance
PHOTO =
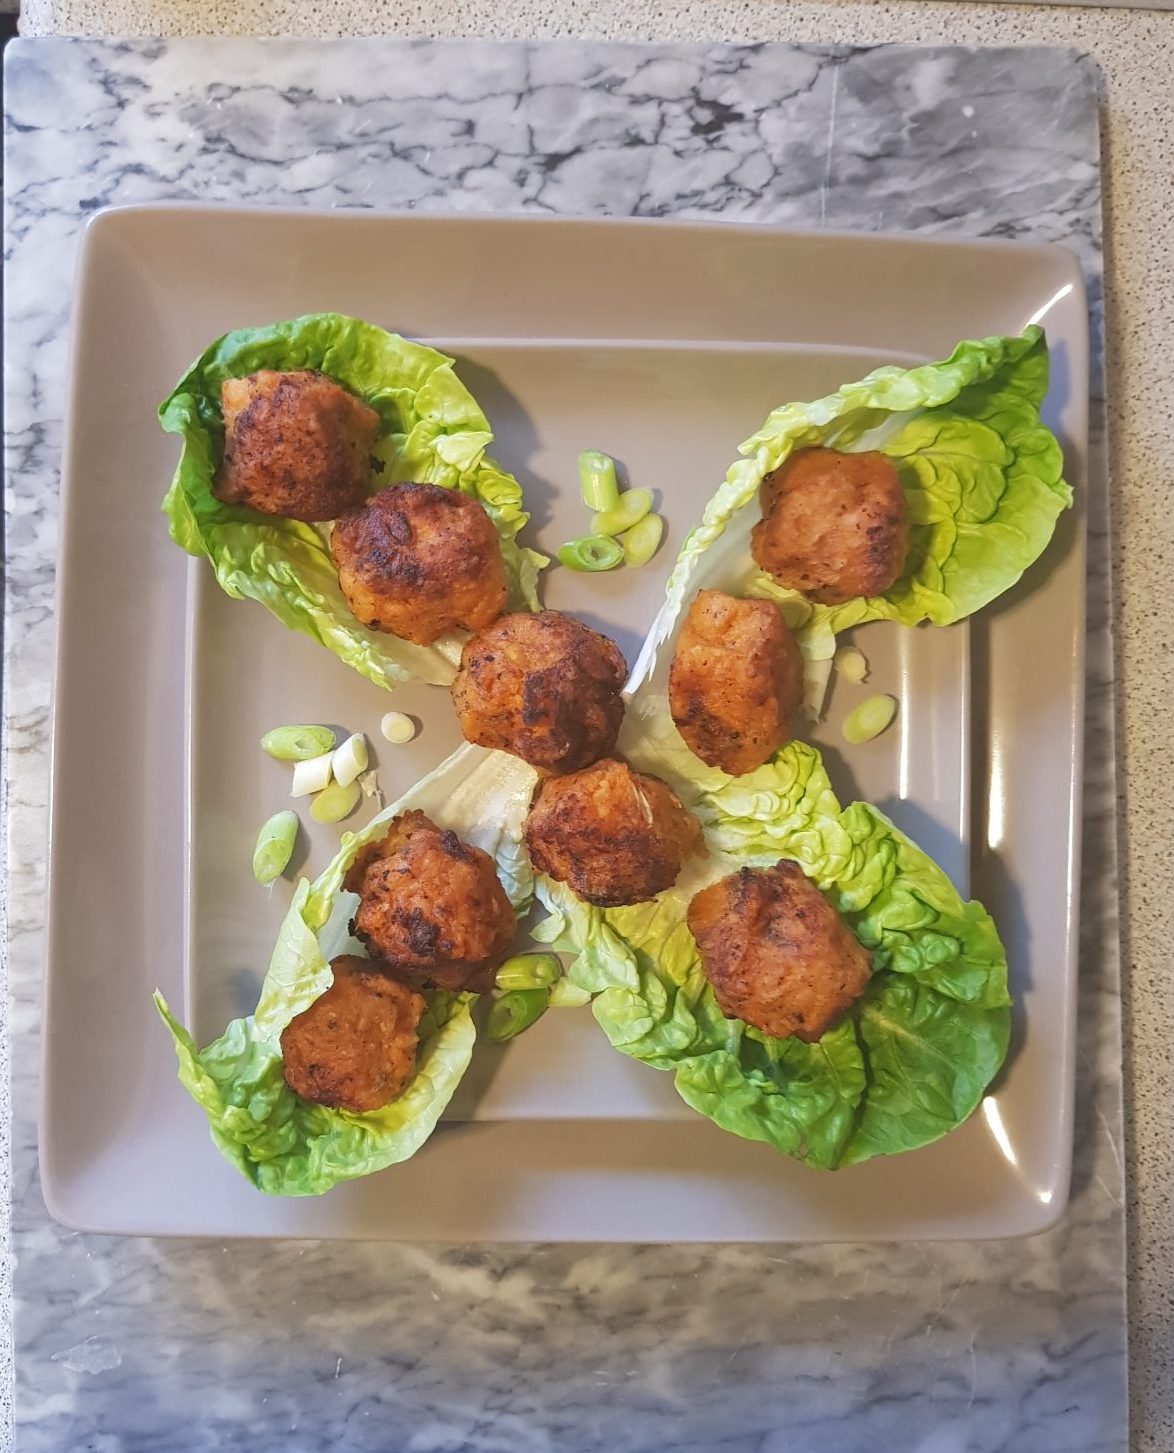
(851, 664)
(597, 480)
(350, 760)
(335, 802)
(633, 506)
(565, 995)
(275, 845)
(528, 971)
(312, 775)
(514, 1012)
(297, 743)
(591, 552)
(642, 541)
(817, 672)
(869, 719)
(398, 728)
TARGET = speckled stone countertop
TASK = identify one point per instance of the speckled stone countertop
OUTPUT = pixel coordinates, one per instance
(1135, 54)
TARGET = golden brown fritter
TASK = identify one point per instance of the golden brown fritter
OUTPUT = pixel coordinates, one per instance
(544, 687)
(777, 953)
(295, 444)
(614, 835)
(735, 681)
(431, 908)
(354, 1048)
(833, 525)
(417, 560)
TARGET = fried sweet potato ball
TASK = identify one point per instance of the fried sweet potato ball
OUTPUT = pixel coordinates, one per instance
(735, 681)
(295, 444)
(416, 560)
(354, 1048)
(543, 687)
(777, 953)
(431, 908)
(613, 835)
(833, 525)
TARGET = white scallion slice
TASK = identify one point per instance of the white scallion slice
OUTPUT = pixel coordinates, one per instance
(312, 775)
(350, 760)
(852, 664)
(335, 802)
(816, 675)
(869, 719)
(398, 728)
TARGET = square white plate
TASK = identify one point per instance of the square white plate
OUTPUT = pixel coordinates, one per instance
(665, 344)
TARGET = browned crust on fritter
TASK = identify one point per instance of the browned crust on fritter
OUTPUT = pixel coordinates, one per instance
(735, 681)
(834, 525)
(417, 560)
(776, 952)
(431, 907)
(295, 444)
(355, 1047)
(615, 836)
(544, 687)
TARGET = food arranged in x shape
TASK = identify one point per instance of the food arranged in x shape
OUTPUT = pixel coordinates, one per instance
(808, 975)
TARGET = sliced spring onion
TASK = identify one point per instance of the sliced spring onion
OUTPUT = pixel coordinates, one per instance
(528, 971)
(312, 775)
(565, 995)
(275, 845)
(597, 480)
(335, 802)
(633, 506)
(816, 675)
(642, 541)
(591, 552)
(514, 1012)
(397, 727)
(869, 719)
(852, 664)
(350, 760)
(297, 743)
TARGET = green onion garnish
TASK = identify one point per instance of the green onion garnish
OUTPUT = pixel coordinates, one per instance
(297, 743)
(869, 719)
(275, 845)
(591, 552)
(642, 541)
(597, 480)
(514, 1012)
(633, 506)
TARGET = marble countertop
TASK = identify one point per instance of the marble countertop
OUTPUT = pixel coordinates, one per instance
(1009, 1346)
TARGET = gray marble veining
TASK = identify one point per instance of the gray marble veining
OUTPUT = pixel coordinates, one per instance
(136, 1346)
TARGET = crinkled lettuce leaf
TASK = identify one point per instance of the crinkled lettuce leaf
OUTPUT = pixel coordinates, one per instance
(432, 432)
(911, 1059)
(288, 1146)
(983, 482)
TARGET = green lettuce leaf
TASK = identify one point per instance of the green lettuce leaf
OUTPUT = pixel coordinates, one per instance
(911, 1059)
(288, 1146)
(432, 432)
(983, 481)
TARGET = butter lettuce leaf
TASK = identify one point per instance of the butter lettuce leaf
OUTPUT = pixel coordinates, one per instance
(982, 476)
(907, 1064)
(432, 432)
(291, 1147)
